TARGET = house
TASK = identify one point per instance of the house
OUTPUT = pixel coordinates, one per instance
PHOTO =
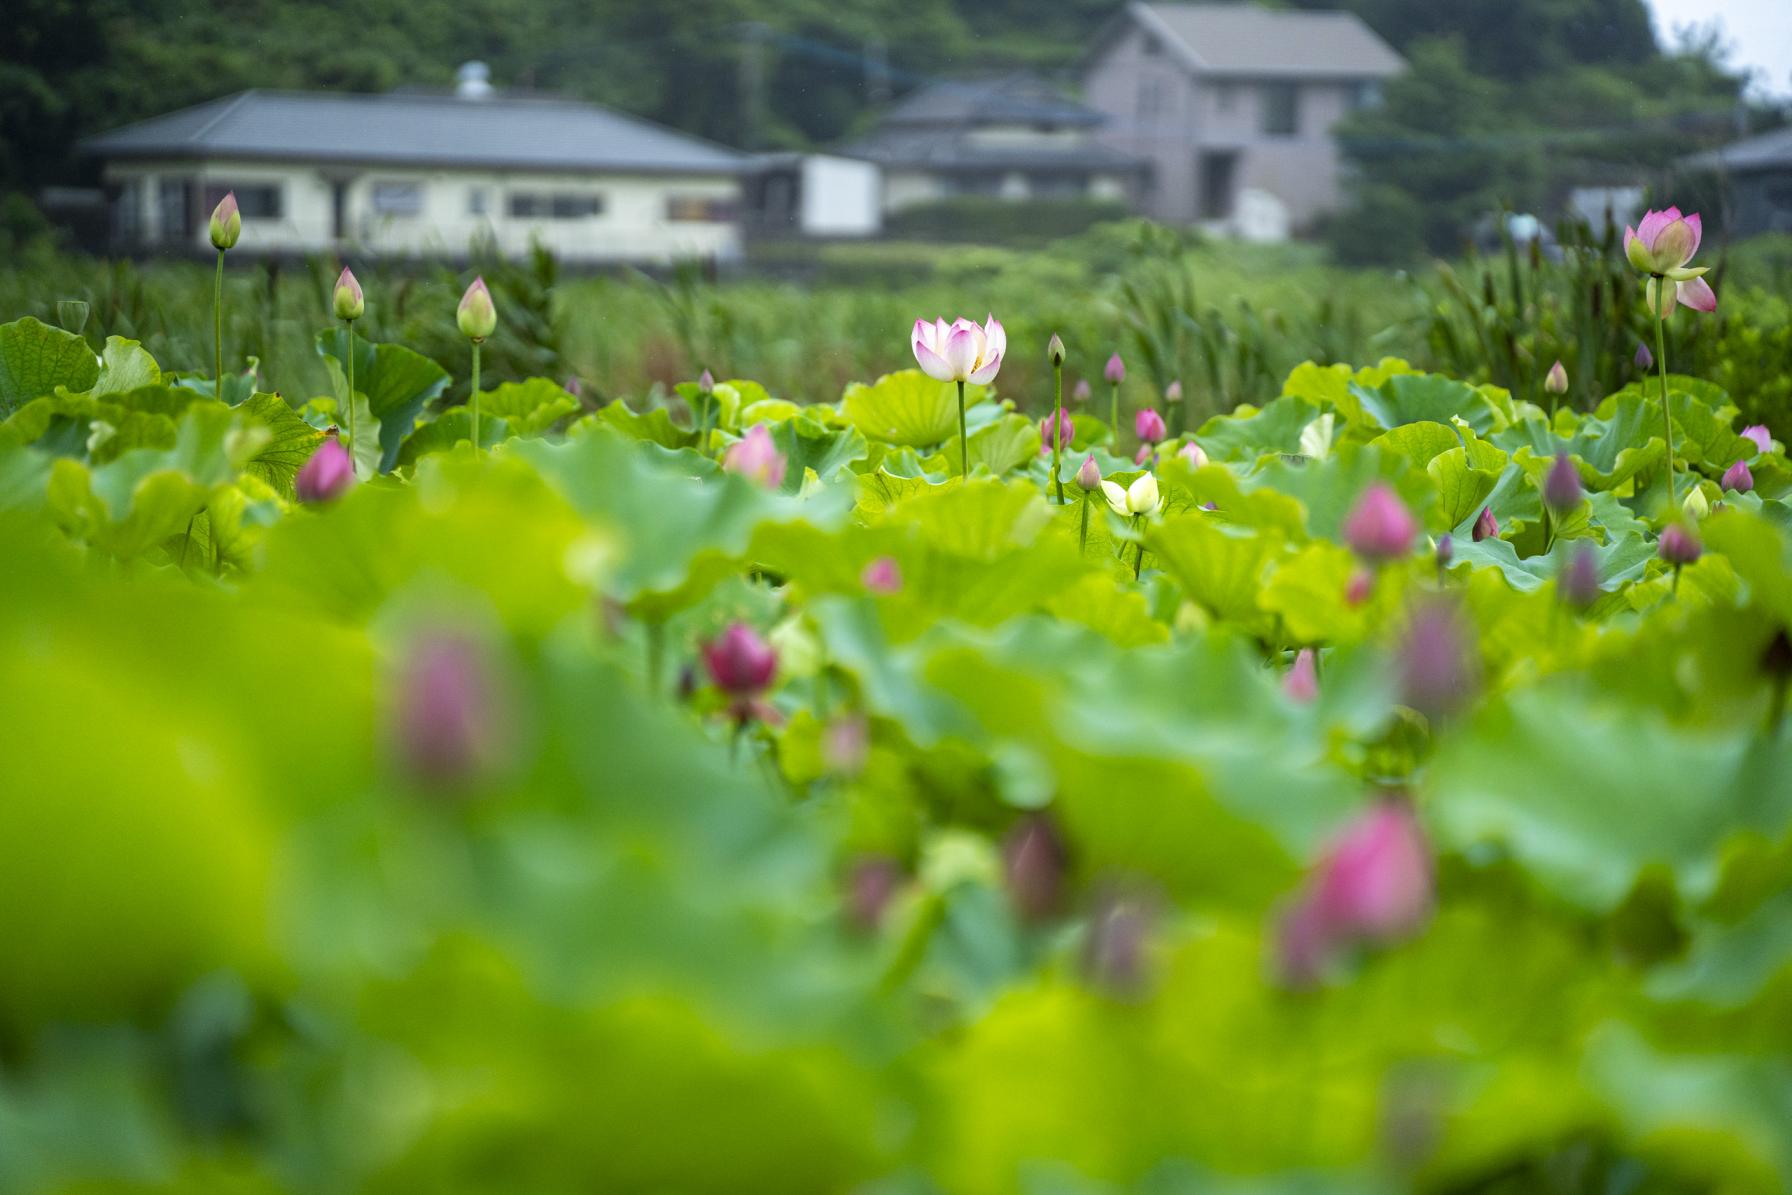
(1014, 137)
(1234, 107)
(813, 195)
(1758, 174)
(423, 174)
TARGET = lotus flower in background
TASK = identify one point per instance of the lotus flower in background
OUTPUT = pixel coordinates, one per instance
(326, 474)
(1302, 682)
(1737, 477)
(1148, 425)
(1556, 380)
(1758, 435)
(1679, 545)
(1115, 372)
(1446, 551)
(882, 575)
(871, 883)
(1173, 392)
(1379, 528)
(756, 456)
(1486, 526)
(1436, 659)
(1192, 453)
(1579, 583)
(1034, 863)
(1696, 505)
(1139, 498)
(1359, 587)
(452, 715)
(960, 351)
(1643, 359)
(1561, 486)
(1082, 391)
(1089, 476)
(742, 666)
(227, 223)
(1066, 431)
(1660, 245)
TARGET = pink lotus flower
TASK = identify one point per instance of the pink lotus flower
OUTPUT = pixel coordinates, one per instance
(1561, 485)
(1446, 551)
(1191, 452)
(1081, 392)
(871, 883)
(326, 475)
(1115, 372)
(1438, 667)
(742, 665)
(1758, 435)
(1148, 425)
(1737, 477)
(1379, 528)
(1066, 431)
(1302, 682)
(1375, 880)
(1144, 456)
(882, 575)
(1660, 245)
(1089, 476)
(1486, 526)
(1679, 545)
(756, 456)
(1579, 583)
(961, 351)
(1173, 392)
(451, 722)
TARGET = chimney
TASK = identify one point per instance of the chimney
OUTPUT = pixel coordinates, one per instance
(473, 81)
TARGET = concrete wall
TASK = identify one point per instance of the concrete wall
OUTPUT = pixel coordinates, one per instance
(906, 187)
(635, 225)
(841, 197)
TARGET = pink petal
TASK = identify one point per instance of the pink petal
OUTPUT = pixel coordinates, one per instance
(995, 338)
(1697, 294)
(984, 374)
(1698, 232)
(923, 335)
(961, 350)
(932, 364)
(1650, 226)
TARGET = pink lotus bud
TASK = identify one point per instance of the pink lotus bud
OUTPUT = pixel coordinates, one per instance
(960, 351)
(1302, 682)
(1358, 588)
(1758, 435)
(1561, 486)
(227, 222)
(1034, 863)
(1737, 477)
(1089, 476)
(739, 662)
(706, 381)
(1643, 358)
(1379, 528)
(1148, 426)
(477, 316)
(573, 386)
(1486, 526)
(326, 475)
(1115, 953)
(1437, 662)
(1054, 349)
(882, 575)
(1556, 380)
(1081, 392)
(1115, 372)
(1375, 880)
(1579, 582)
(1446, 551)
(346, 300)
(1191, 452)
(756, 456)
(1066, 431)
(1679, 544)
(846, 745)
(1144, 456)
(871, 882)
(451, 721)
(1173, 392)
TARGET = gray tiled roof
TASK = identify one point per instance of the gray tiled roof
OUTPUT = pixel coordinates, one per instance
(1763, 152)
(1242, 39)
(1010, 99)
(417, 130)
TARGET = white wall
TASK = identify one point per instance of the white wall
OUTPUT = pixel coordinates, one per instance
(841, 197)
(634, 226)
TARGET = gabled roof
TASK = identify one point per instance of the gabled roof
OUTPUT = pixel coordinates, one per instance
(416, 130)
(1008, 99)
(1765, 151)
(1247, 41)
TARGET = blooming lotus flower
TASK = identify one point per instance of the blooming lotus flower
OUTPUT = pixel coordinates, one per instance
(961, 351)
(1486, 526)
(1066, 431)
(1034, 864)
(882, 575)
(1302, 682)
(1148, 425)
(326, 475)
(1660, 245)
(1556, 380)
(1679, 544)
(227, 223)
(346, 300)
(742, 665)
(1579, 582)
(477, 317)
(756, 456)
(1643, 358)
(1191, 452)
(1379, 527)
(1737, 477)
(1082, 391)
(451, 720)
(1561, 486)
(1089, 476)
(1140, 498)
(1173, 392)
(1375, 880)
(1437, 661)
(1758, 435)
(1115, 372)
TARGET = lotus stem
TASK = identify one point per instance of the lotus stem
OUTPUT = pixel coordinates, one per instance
(1667, 418)
(1114, 411)
(1138, 560)
(350, 325)
(1083, 538)
(218, 329)
(1057, 428)
(475, 402)
(964, 441)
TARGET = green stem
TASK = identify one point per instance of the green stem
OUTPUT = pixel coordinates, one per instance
(1083, 539)
(1549, 529)
(1114, 413)
(1057, 422)
(1667, 419)
(350, 325)
(475, 398)
(1138, 561)
(656, 654)
(218, 329)
(1675, 592)
(964, 441)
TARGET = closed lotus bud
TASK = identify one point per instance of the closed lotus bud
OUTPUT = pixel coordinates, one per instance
(1579, 582)
(227, 223)
(1054, 349)
(1379, 528)
(1758, 435)
(882, 575)
(452, 717)
(1066, 431)
(326, 475)
(1173, 392)
(346, 300)
(1191, 452)
(1737, 477)
(756, 456)
(1082, 391)
(1115, 372)
(1436, 661)
(1375, 880)
(573, 386)
(1302, 682)
(1148, 425)
(706, 381)
(1116, 952)
(1034, 863)
(1446, 551)
(1486, 526)
(1679, 544)
(1696, 505)
(742, 666)
(477, 317)
(1358, 588)
(1643, 358)
(1089, 476)
(1556, 380)
(71, 316)
(1561, 486)
(871, 883)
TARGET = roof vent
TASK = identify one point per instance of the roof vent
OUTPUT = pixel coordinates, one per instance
(473, 81)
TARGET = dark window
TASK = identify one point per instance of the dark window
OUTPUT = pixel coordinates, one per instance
(1366, 94)
(1281, 109)
(256, 201)
(478, 199)
(175, 211)
(976, 184)
(1057, 185)
(397, 199)
(1219, 169)
(698, 208)
(527, 205)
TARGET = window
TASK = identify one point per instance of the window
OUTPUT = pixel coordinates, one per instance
(1057, 185)
(989, 185)
(534, 205)
(699, 208)
(478, 201)
(397, 199)
(1219, 169)
(255, 201)
(1366, 94)
(1281, 109)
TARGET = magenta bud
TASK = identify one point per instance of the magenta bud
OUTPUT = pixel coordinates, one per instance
(739, 662)
(1034, 865)
(1358, 588)
(706, 381)
(882, 575)
(1437, 664)
(1066, 431)
(1579, 582)
(1054, 349)
(1148, 425)
(1643, 358)
(1561, 485)
(1758, 435)
(1173, 392)
(1446, 551)
(1737, 477)
(326, 475)
(1089, 476)
(1556, 380)
(1302, 682)
(1375, 880)
(756, 456)
(1115, 372)
(1082, 391)
(1379, 527)
(1679, 544)
(451, 719)
(1486, 526)
(871, 882)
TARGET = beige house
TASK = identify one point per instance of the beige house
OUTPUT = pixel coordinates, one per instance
(1234, 107)
(423, 174)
